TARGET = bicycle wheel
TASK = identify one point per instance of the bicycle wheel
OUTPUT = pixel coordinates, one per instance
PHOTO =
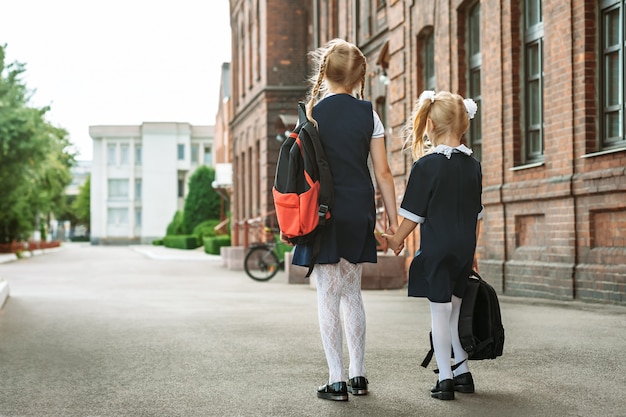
(261, 263)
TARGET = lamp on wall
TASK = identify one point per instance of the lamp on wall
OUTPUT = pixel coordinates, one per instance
(383, 77)
(282, 136)
(283, 122)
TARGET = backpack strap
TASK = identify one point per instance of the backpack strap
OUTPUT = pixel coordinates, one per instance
(326, 193)
(429, 356)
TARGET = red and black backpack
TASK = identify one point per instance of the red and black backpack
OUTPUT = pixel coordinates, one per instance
(303, 187)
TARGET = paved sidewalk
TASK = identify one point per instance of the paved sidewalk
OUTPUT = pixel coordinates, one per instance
(145, 331)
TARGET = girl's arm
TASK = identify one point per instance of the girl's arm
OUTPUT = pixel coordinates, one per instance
(384, 180)
(475, 262)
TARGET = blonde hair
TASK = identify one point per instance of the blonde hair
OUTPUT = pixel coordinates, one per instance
(340, 62)
(448, 113)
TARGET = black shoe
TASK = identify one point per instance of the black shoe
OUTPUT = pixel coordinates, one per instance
(337, 391)
(444, 390)
(358, 385)
(464, 383)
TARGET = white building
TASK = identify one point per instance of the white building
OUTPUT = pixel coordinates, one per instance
(139, 177)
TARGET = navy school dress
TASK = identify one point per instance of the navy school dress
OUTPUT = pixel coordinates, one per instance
(345, 126)
(444, 195)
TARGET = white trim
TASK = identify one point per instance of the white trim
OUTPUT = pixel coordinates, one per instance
(604, 152)
(411, 216)
(448, 150)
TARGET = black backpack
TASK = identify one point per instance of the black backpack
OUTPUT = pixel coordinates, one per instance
(480, 322)
(303, 186)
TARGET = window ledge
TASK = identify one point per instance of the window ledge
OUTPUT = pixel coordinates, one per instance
(605, 152)
(527, 166)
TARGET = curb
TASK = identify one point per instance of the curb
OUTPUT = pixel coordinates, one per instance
(4, 291)
(7, 257)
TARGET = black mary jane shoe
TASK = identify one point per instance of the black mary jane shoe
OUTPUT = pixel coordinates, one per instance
(358, 385)
(337, 391)
(444, 390)
(464, 383)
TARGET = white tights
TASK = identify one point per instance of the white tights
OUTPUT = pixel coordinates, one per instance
(340, 285)
(445, 329)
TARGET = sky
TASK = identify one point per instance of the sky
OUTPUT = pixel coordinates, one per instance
(119, 62)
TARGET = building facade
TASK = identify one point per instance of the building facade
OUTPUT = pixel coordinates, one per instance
(268, 71)
(139, 177)
(548, 77)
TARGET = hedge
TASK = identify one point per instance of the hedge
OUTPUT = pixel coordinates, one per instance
(212, 245)
(181, 242)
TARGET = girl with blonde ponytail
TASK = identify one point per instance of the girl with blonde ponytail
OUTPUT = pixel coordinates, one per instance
(351, 132)
(443, 195)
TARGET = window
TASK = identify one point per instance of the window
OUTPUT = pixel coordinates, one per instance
(138, 189)
(111, 154)
(475, 136)
(138, 217)
(612, 74)
(208, 156)
(181, 151)
(195, 153)
(181, 187)
(533, 81)
(428, 62)
(124, 154)
(118, 189)
(117, 216)
(137, 154)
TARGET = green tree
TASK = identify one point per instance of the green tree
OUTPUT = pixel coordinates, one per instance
(35, 159)
(202, 202)
(81, 207)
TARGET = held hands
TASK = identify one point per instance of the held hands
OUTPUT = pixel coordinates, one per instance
(394, 242)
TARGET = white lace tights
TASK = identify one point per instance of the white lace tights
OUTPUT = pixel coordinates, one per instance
(339, 285)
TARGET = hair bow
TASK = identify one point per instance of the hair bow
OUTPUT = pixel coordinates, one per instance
(427, 95)
(471, 107)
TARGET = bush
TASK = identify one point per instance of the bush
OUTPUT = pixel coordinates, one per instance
(202, 201)
(212, 245)
(181, 242)
(176, 225)
(157, 242)
(205, 229)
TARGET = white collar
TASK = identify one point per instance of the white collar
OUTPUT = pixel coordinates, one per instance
(448, 150)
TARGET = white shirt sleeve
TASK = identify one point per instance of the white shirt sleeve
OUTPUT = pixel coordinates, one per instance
(379, 129)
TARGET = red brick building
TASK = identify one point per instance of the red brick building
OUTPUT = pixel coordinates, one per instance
(548, 77)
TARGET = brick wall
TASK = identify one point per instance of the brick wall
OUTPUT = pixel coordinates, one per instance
(556, 229)
(268, 76)
(551, 230)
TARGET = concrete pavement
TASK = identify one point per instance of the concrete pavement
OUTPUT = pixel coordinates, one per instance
(144, 331)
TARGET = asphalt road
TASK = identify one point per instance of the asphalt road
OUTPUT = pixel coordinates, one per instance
(145, 331)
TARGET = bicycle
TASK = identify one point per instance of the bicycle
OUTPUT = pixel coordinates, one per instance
(261, 262)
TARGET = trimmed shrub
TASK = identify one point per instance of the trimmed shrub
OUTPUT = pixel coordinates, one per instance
(205, 229)
(176, 225)
(212, 245)
(202, 202)
(157, 242)
(181, 242)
